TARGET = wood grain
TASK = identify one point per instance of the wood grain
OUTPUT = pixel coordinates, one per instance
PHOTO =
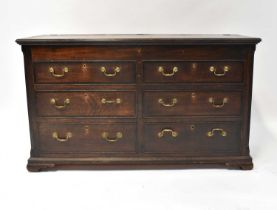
(192, 71)
(85, 72)
(87, 138)
(192, 139)
(191, 103)
(87, 103)
(140, 116)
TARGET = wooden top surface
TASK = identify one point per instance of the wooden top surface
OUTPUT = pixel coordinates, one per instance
(95, 39)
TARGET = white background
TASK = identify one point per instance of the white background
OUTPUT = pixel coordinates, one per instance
(210, 189)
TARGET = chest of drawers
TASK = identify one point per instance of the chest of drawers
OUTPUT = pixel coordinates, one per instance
(139, 101)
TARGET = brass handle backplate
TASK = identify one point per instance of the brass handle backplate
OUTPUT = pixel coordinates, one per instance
(214, 70)
(220, 130)
(113, 74)
(55, 136)
(116, 101)
(173, 102)
(212, 101)
(53, 101)
(162, 70)
(52, 71)
(174, 134)
(118, 135)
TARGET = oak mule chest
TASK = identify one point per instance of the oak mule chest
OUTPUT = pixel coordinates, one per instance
(139, 101)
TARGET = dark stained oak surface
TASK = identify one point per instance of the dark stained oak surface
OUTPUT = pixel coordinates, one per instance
(85, 72)
(184, 103)
(128, 52)
(192, 138)
(139, 101)
(92, 103)
(192, 71)
(87, 138)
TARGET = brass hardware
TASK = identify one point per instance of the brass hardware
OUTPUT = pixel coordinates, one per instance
(193, 98)
(118, 135)
(52, 71)
(173, 102)
(162, 70)
(116, 101)
(212, 101)
(192, 127)
(86, 128)
(174, 134)
(222, 132)
(84, 67)
(53, 101)
(225, 69)
(55, 135)
(115, 71)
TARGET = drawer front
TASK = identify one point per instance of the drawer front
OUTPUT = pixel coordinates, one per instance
(193, 139)
(91, 103)
(87, 138)
(178, 103)
(192, 71)
(85, 72)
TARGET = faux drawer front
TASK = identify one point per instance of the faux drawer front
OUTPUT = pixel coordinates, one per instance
(78, 138)
(177, 103)
(85, 72)
(193, 71)
(193, 139)
(93, 103)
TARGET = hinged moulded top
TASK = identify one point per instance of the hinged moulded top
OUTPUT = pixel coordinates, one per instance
(137, 39)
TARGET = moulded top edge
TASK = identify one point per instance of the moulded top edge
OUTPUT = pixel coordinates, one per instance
(96, 39)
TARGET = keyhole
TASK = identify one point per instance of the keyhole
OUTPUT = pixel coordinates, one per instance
(84, 67)
(86, 130)
(192, 127)
(193, 97)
